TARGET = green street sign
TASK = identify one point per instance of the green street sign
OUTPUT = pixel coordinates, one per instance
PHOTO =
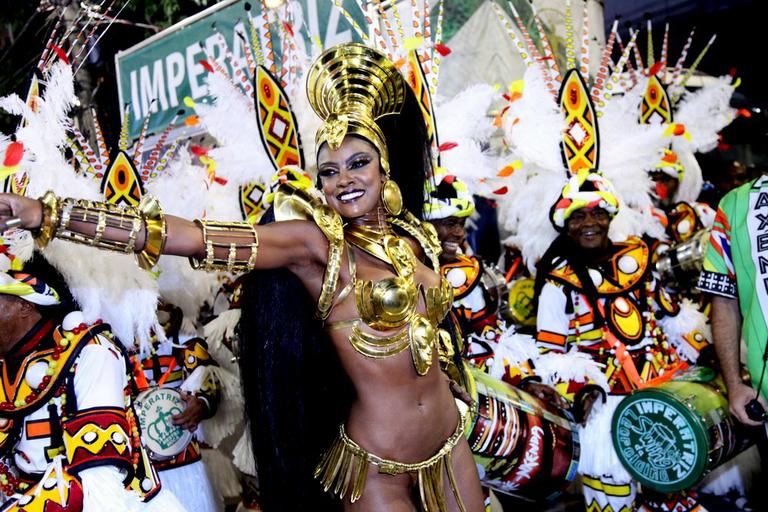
(155, 75)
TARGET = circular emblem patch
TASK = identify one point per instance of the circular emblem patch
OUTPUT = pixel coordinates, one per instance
(155, 409)
(658, 442)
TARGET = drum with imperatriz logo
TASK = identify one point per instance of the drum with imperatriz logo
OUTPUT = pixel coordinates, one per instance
(668, 437)
(522, 445)
(155, 409)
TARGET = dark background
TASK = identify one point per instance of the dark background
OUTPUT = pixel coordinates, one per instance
(741, 31)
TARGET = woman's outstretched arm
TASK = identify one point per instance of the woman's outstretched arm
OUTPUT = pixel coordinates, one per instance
(208, 244)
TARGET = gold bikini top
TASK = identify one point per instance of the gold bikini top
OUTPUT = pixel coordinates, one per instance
(389, 304)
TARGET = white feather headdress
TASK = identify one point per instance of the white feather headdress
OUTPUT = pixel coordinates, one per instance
(107, 286)
(534, 127)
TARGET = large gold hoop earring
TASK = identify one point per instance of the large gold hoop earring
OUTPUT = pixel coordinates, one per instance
(391, 197)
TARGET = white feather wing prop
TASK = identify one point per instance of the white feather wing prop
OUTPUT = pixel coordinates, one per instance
(107, 286)
(705, 113)
(182, 189)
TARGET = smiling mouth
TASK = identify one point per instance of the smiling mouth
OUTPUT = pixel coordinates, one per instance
(450, 246)
(351, 195)
(590, 233)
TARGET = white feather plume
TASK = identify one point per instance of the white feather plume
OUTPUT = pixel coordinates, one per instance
(556, 367)
(533, 124)
(182, 189)
(512, 350)
(309, 123)
(231, 119)
(107, 286)
(677, 327)
(705, 113)
(689, 188)
(244, 459)
(466, 114)
(524, 212)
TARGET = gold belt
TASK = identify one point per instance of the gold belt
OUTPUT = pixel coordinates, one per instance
(346, 463)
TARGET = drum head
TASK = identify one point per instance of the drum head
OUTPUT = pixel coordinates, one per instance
(155, 409)
(661, 442)
(521, 301)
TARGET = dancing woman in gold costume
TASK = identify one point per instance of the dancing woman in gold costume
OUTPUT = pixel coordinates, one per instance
(368, 263)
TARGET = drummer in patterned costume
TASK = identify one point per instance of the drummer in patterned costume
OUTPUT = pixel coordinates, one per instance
(475, 305)
(600, 298)
(181, 366)
(69, 439)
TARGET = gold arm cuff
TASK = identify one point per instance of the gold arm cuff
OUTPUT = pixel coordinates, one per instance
(330, 224)
(50, 221)
(229, 237)
(156, 233)
(58, 214)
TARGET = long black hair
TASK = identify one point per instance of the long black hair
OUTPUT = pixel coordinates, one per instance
(296, 392)
(410, 159)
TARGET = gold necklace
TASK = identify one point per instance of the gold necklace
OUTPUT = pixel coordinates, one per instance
(368, 239)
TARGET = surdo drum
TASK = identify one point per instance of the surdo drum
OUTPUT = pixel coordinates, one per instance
(668, 437)
(155, 409)
(522, 445)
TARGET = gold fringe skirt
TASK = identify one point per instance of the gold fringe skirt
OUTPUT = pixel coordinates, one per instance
(343, 470)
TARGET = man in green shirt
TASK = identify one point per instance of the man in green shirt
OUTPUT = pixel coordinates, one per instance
(736, 274)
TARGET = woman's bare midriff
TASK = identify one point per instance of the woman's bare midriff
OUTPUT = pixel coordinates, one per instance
(397, 414)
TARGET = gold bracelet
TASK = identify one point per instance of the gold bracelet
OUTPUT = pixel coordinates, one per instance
(104, 216)
(50, 220)
(58, 214)
(230, 237)
(156, 232)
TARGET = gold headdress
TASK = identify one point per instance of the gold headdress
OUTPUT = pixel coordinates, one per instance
(351, 86)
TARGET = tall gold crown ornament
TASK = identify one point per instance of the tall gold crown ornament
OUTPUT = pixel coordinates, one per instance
(350, 87)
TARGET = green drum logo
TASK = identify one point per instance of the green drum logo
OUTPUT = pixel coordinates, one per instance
(155, 410)
(656, 442)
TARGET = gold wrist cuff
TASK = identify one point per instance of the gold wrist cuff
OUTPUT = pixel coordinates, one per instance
(58, 215)
(50, 220)
(156, 233)
(222, 242)
(103, 216)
